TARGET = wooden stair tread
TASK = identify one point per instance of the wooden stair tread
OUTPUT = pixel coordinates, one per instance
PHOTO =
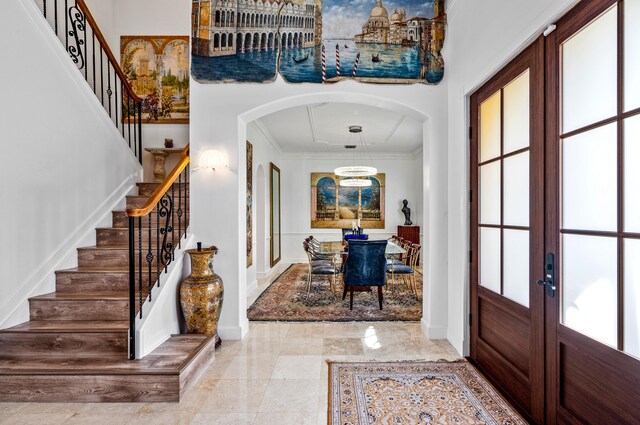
(63, 326)
(82, 296)
(171, 357)
(95, 270)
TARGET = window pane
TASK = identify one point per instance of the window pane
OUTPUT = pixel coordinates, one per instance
(516, 266)
(490, 193)
(516, 190)
(490, 128)
(589, 80)
(632, 296)
(516, 114)
(589, 286)
(632, 174)
(589, 180)
(631, 54)
(490, 259)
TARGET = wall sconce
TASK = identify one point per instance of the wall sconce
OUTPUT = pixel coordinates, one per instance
(213, 159)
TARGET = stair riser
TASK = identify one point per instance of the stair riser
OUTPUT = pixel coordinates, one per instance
(80, 343)
(95, 282)
(147, 189)
(89, 388)
(110, 237)
(112, 258)
(79, 310)
(120, 220)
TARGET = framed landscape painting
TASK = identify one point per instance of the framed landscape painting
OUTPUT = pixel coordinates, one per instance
(157, 67)
(249, 204)
(336, 207)
(318, 41)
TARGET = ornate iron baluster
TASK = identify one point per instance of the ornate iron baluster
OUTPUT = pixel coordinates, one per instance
(157, 243)
(140, 264)
(149, 261)
(165, 210)
(44, 8)
(93, 55)
(173, 233)
(109, 91)
(66, 25)
(179, 211)
(101, 75)
(76, 18)
(132, 290)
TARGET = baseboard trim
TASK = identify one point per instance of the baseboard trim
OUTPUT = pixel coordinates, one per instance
(252, 288)
(42, 279)
(433, 332)
(233, 332)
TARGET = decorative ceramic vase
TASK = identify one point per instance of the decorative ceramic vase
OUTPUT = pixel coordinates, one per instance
(168, 143)
(201, 294)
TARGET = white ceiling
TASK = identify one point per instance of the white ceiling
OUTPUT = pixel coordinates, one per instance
(324, 128)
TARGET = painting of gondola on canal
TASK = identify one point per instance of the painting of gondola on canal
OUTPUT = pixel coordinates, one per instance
(318, 41)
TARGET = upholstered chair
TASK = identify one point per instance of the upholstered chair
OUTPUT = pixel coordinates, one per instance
(321, 267)
(365, 266)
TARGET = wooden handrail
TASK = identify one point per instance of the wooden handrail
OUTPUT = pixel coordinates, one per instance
(163, 188)
(105, 47)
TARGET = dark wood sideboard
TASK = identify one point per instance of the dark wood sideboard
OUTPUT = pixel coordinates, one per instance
(410, 233)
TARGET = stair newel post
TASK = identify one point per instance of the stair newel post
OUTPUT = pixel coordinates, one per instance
(132, 290)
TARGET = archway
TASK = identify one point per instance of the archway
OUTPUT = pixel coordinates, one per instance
(432, 312)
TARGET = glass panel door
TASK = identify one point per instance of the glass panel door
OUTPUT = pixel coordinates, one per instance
(507, 228)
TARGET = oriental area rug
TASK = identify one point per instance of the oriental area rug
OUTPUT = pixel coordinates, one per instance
(414, 393)
(286, 300)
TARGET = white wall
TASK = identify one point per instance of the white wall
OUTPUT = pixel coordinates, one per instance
(482, 37)
(63, 165)
(401, 182)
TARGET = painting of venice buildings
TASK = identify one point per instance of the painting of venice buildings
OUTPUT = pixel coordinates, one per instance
(318, 41)
(157, 67)
(336, 207)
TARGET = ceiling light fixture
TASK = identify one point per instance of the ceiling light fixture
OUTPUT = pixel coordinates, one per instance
(355, 183)
(359, 170)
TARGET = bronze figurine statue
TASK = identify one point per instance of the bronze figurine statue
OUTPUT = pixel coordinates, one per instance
(407, 213)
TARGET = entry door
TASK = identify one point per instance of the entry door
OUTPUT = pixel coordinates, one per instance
(507, 229)
(593, 200)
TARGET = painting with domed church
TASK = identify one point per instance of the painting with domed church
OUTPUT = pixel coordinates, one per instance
(336, 207)
(318, 41)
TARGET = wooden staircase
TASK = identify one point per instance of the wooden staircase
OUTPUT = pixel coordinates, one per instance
(74, 348)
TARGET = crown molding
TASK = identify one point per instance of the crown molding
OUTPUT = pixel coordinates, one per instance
(262, 129)
(340, 155)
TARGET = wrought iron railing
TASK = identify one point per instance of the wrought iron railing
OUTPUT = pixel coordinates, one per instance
(79, 33)
(154, 231)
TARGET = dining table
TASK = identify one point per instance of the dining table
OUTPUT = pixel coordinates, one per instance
(340, 247)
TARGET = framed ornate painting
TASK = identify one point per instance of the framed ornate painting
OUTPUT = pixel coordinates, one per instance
(249, 204)
(336, 207)
(318, 41)
(157, 67)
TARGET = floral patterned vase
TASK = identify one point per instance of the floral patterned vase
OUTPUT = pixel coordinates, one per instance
(201, 294)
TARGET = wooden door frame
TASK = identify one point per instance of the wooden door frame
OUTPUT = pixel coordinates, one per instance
(531, 58)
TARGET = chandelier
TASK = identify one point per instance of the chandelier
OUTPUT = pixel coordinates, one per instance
(355, 183)
(357, 170)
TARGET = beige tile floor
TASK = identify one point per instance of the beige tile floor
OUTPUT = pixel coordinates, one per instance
(277, 375)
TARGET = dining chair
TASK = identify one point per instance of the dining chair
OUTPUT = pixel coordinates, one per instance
(365, 266)
(406, 268)
(320, 266)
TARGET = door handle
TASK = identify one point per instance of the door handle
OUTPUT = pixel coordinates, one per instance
(549, 269)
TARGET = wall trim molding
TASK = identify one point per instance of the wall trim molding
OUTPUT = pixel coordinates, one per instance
(433, 332)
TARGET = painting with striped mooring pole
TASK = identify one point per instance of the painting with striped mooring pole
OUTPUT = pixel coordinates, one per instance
(318, 41)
